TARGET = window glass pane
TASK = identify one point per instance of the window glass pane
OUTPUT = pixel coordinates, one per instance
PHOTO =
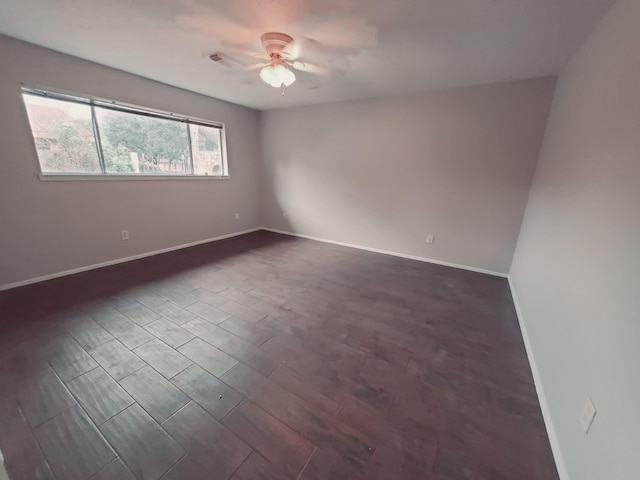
(63, 135)
(207, 151)
(137, 144)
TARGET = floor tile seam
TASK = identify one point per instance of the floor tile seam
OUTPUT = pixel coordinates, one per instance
(380, 412)
(250, 443)
(173, 322)
(127, 316)
(482, 382)
(243, 306)
(246, 340)
(118, 457)
(48, 361)
(251, 452)
(129, 349)
(117, 383)
(82, 346)
(346, 392)
(307, 462)
(184, 307)
(369, 351)
(119, 412)
(88, 418)
(146, 410)
(142, 344)
(198, 403)
(121, 341)
(306, 403)
(75, 397)
(35, 440)
(188, 366)
(240, 361)
(164, 475)
(135, 403)
(168, 346)
(207, 320)
(219, 422)
(161, 424)
(208, 342)
(175, 325)
(64, 410)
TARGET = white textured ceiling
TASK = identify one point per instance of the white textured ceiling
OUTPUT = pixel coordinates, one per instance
(377, 47)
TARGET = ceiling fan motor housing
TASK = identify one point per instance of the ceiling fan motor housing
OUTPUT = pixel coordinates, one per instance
(275, 42)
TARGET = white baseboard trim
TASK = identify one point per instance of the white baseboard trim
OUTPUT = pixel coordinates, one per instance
(121, 260)
(542, 399)
(388, 252)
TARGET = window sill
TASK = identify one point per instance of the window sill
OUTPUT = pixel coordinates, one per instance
(56, 177)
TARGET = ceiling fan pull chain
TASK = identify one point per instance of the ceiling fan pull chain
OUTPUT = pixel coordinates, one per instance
(284, 90)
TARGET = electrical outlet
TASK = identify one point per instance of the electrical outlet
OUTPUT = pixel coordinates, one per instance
(588, 414)
(237, 216)
(125, 234)
(430, 239)
(284, 214)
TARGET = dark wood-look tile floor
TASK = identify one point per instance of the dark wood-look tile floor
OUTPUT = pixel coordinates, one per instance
(265, 357)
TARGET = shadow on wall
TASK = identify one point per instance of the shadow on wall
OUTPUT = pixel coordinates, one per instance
(318, 199)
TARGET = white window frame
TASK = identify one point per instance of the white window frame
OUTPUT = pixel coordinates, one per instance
(132, 109)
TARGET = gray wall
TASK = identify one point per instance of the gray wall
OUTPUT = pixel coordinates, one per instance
(384, 173)
(48, 227)
(576, 271)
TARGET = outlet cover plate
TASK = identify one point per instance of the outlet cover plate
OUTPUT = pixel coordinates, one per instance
(588, 414)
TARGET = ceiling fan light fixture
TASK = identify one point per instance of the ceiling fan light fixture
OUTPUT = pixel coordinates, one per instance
(288, 77)
(277, 75)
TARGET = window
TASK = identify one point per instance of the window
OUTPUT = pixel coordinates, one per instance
(76, 135)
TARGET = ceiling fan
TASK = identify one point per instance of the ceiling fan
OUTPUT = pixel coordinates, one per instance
(278, 62)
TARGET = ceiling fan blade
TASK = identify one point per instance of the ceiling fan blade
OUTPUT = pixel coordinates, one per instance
(243, 50)
(311, 68)
(292, 51)
(305, 46)
(255, 66)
